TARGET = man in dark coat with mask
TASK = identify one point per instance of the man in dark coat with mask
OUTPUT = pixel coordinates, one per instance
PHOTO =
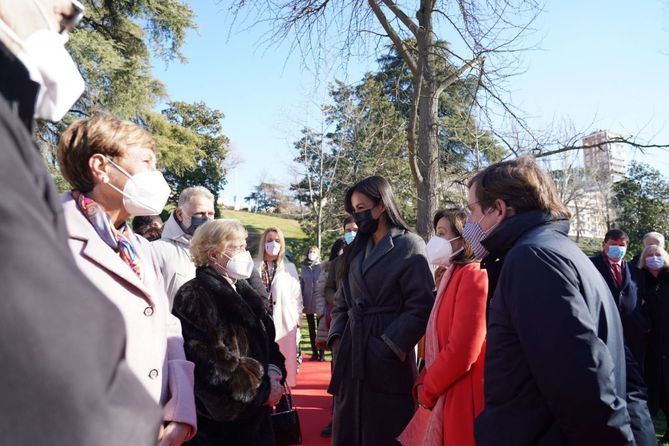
(64, 379)
(555, 359)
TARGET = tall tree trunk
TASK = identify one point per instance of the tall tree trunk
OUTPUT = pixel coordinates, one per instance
(428, 128)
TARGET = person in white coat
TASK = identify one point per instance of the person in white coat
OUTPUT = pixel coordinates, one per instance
(195, 207)
(284, 293)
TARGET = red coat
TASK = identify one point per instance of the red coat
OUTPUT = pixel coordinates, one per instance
(458, 370)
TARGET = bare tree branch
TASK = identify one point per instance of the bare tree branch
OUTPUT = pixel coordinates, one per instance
(402, 16)
(397, 41)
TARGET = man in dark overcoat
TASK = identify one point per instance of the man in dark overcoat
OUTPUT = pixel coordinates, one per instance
(64, 379)
(621, 278)
(555, 358)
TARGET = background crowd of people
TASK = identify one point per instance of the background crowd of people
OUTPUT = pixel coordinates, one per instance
(151, 333)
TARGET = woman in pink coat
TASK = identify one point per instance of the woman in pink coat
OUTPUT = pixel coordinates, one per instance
(111, 166)
(449, 391)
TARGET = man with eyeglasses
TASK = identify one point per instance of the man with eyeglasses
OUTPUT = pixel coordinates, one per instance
(555, 370)
(63, 379)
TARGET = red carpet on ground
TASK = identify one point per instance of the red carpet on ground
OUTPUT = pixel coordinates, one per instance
(313, 403)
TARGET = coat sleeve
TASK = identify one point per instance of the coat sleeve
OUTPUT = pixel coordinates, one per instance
(559, 339)
(416, 287)
(319, 292)
(181, 404)
(465, 339)
(230, 386)
(339, 313)
(628, 296)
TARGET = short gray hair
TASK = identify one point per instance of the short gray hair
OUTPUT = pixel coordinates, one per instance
(656, 235)
(194, 191)
(214, 236)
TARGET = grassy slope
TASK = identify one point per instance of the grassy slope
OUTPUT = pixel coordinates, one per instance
(256, 223)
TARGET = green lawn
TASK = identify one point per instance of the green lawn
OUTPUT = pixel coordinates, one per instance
(256, 223)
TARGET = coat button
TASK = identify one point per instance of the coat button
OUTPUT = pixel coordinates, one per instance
(148, 311)
(153, 374)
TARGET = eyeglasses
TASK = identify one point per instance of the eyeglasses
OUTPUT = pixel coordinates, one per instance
(236, 249)
(467, 208)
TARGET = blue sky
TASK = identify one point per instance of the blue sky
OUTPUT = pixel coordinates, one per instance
(600, 64)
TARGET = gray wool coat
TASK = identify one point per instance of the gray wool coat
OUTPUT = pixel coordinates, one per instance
(381, 311)
(308, 282)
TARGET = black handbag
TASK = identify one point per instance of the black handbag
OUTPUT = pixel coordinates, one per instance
(286, 421)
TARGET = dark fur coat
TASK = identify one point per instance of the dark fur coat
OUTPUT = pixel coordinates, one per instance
(229, 336)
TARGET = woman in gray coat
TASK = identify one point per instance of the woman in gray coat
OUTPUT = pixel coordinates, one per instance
(381, 310)
(311, 270)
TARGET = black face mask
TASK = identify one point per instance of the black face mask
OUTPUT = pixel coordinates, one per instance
(195, 222)
(366, 223)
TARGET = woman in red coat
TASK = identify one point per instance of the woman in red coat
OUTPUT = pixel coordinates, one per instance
(449, 391)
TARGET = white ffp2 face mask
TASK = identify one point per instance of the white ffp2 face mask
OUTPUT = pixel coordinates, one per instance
(440, 251)
(273, 248)
(240, 265)
(144, 193)
(50, 65)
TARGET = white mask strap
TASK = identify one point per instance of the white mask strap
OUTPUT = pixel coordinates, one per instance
(43, 14)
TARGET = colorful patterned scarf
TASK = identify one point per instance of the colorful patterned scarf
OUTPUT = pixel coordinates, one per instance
(117, 239)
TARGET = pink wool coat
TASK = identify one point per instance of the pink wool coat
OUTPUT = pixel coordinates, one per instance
(154, 345)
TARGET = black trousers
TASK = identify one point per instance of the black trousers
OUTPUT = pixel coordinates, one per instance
(312, 321)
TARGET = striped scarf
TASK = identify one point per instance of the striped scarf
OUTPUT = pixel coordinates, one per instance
(117, 239)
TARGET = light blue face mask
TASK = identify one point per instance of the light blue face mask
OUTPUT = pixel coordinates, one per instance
(349, 237)
(654, 262)
(616, 252)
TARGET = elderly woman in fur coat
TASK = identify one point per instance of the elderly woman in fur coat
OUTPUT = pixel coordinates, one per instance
(229, 335)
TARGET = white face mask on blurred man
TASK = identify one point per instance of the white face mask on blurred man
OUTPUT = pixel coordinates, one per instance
(48, 62)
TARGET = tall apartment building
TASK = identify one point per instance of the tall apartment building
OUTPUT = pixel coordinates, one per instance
(588, 192)
(605, 156)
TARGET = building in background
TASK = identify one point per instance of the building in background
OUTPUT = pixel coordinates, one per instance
(587, 191)
(605, 155)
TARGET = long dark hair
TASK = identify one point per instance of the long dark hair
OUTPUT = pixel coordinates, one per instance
(337, 246)
(377, 189)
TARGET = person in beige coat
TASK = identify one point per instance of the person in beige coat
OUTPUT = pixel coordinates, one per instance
(111, 167)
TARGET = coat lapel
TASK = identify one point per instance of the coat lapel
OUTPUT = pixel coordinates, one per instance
(384, 246)
(96, 250)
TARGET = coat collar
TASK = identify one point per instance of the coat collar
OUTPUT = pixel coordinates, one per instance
(377, 252)
(95, 249)
(243, 300)
(500, 241)
(172, 231)
(16, 86)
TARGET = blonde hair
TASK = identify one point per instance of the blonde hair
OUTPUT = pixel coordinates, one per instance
(101, 134)
(263, 240)
(651, 249)
(214, 236)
